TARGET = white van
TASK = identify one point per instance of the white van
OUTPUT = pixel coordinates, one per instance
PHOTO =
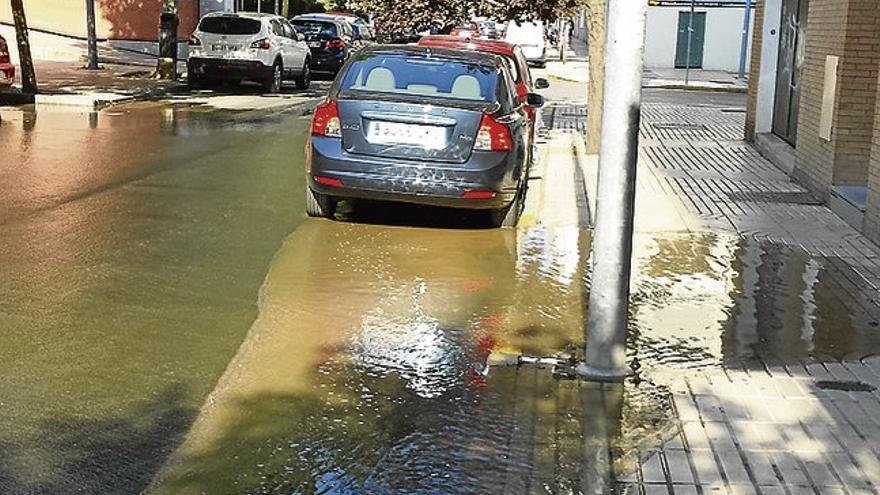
(530, 37)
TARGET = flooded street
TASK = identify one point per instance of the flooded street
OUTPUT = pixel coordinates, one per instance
(171, 322)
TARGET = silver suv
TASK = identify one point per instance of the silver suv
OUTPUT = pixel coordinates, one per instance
(248, 46)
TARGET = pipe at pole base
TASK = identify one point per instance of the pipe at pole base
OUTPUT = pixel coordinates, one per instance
(605, 353)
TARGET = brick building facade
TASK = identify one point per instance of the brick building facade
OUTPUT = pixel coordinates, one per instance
(124, 20)
(813, 100)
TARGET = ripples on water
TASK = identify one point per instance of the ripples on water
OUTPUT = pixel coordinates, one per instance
(375, 342)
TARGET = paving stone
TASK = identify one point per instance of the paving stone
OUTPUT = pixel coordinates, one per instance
(762, 468)
(705, 466)
(684, 490)
(679, 467)
(733, 466)
(656, 490)
(652, 469)
(695, 435)
(788, 467)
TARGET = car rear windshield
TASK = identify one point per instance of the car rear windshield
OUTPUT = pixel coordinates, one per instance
(316, 28)
(424, 76)
(229, 25)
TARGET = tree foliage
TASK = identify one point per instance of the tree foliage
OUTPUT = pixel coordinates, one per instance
(442, 15)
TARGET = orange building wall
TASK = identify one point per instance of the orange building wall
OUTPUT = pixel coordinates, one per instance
(116, 19)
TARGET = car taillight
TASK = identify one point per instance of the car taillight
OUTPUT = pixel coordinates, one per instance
(336, 43)
(195, 41)
(326, 120)
(493, 135)
(262, 44)
(4, 52)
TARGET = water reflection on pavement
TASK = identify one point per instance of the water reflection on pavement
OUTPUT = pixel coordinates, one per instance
(367, 369)
(370, 368)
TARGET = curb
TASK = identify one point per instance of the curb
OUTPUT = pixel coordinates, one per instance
(83, 100)
(690, 87)
(565, 79)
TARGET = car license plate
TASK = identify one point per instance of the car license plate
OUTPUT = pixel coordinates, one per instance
(314, 44)
(426, 136)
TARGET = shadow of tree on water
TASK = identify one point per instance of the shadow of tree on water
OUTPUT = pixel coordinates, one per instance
(107, 455)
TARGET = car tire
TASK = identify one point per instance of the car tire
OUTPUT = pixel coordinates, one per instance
(319, 205)
(272, 83)
(305, 78)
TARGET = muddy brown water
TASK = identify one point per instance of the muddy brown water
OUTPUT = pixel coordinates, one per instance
(166, 307)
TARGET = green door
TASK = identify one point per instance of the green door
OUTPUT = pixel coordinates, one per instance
(697, 39)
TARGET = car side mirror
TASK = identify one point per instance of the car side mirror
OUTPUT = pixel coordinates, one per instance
(300, 37)
(541, 83)
(534, 100)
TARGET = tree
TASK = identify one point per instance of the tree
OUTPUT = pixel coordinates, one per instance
(595, 89)
(394, 16)
(166, 66)
(28, 76)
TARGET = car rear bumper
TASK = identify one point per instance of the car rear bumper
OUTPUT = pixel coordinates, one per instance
(325, 61)
(219, 68)
(7, 74)
(409, 181)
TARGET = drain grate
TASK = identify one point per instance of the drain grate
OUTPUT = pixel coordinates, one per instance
(845, 386)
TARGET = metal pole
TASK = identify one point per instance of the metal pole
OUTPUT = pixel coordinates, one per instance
(92, 37)
(605, 356)
(277, 7)
(687, 62)
(745, 40)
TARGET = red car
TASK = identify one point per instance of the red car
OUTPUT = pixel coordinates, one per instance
(512, 53)
(7, 70)
(466, 30)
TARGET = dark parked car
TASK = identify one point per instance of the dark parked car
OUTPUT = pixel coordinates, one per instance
(330, 38)
(421, 125)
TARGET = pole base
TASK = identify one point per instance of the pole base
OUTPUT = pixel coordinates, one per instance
(589, 373)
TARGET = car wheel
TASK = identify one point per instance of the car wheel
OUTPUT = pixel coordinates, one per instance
(305, 79)
(319, 205)
(272, 84)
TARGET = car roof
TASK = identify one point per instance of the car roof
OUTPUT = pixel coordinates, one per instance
(497, 47)
(248, 15)
(346, 15)
(452, 54)
(318, 17)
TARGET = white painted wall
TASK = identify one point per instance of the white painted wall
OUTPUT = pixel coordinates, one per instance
(722, 42)
(216, 5)
(769, 59)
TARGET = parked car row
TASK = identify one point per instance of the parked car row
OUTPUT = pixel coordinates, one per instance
(447, 122)
(268, 49)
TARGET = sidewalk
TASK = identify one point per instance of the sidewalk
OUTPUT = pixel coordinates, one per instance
(62, 79)
(757, 309)
(698, 79)
(576, 69)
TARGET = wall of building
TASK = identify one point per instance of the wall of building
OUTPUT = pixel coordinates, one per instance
(116, 19)
(755, 75)
(825, 36)
(857, 76)
(723, 40)
(850, 30)
(872, 210)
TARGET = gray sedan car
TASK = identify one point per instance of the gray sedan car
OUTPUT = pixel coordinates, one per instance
(421, 125)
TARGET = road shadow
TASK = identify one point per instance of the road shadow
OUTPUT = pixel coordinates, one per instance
(117, 454)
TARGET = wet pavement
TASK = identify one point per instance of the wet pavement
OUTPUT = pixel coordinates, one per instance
(171, 322)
